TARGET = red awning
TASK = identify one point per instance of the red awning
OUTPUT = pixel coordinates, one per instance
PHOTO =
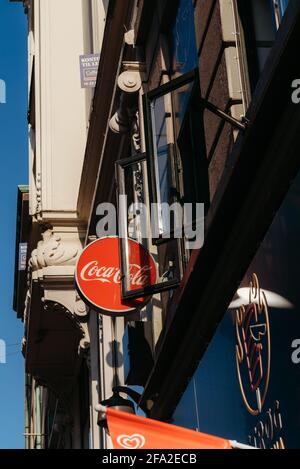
(129, 431)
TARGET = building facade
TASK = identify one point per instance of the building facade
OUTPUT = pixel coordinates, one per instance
(57, 409)
(183, 111)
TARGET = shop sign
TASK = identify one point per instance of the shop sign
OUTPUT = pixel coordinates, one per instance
(22, 256)
(253, 360)
(98, 277)
(253, 348)
(89, 65)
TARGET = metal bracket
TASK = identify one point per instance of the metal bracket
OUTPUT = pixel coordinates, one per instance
(135, 396)
(241, 125)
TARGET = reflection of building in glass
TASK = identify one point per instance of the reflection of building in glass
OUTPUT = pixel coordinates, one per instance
(250, 336)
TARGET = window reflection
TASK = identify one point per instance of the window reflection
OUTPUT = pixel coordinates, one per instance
(222, 387)
(182, 42)
(168, 115)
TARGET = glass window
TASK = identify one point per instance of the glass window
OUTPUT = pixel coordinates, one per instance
(138, 359)
(248, 381)
(175, 162)
(259, 21)
(134, 223)
(182, 39)
(283, 4)
(176, 154)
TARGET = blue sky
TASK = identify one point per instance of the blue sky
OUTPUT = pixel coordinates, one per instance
(13, 154)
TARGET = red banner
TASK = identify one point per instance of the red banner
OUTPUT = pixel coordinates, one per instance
(129, 431)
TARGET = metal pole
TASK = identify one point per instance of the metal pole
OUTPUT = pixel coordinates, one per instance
(52, 428)
(38, 418)
(237, 445)
(218, 112)
(27, 411)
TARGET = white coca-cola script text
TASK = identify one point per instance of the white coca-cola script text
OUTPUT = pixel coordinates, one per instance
(139, 276)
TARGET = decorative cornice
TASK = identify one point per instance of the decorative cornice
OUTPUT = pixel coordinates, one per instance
(80, 308)
(136, 135)
(81, 312)
(130, 83)
(52, 251)
(38, 186)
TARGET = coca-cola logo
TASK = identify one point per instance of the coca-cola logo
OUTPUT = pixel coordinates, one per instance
(94, 271)
(98, 275)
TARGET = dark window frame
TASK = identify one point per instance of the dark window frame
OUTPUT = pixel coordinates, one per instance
(159, 287)
(191, 77)
(180, 254)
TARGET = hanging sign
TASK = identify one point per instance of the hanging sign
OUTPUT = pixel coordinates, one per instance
(98, 277)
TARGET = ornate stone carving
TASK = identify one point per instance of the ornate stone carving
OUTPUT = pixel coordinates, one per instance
(80, 309)
(23, 346)
(84, 344)
(27, 303)
(51, 251)
(119, 123)
(136, 136)
(38, 185)
(81, 312)
(130, 81)
(129, 37)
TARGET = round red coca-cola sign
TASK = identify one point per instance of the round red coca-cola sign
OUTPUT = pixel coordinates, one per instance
(98, 277)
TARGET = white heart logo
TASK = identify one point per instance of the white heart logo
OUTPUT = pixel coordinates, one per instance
(135, 441)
